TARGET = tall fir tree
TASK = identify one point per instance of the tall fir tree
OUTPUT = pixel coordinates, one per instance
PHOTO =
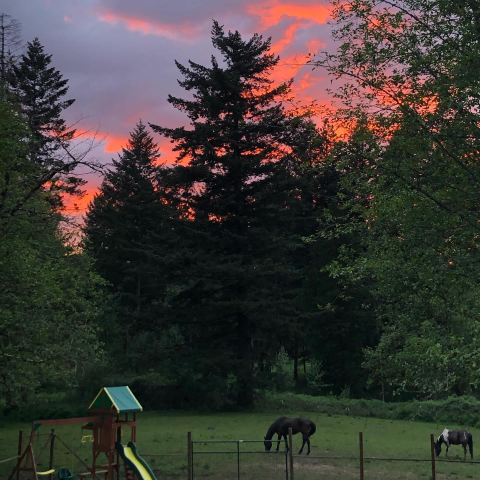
(40, 88)
(237, 287)
(123, 233)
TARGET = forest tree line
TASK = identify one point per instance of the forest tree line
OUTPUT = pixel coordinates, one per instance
(272, 241)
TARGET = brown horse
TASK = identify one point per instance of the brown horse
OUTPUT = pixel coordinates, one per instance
(455, 437)
(298, 425)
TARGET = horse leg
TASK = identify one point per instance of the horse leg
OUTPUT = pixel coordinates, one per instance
(464, 451)
(446, 451)
(305, 437)
(279, 440)
(308, 444)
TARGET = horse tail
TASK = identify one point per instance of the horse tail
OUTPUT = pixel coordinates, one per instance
(470, 444)
(313, 429)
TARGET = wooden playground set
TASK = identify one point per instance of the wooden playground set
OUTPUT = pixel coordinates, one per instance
(113, 409)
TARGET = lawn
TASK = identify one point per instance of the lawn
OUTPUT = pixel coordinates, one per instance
(162, 441)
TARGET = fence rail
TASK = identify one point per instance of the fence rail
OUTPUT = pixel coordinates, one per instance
(295, 463)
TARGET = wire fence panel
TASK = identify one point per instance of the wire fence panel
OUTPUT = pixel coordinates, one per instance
(240, 460)
(310, 467)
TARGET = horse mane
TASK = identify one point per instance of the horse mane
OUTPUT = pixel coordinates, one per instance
(273, 428)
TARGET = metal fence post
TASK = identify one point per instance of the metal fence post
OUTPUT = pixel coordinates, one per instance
(290, 451)
(238, 459)
(360, 442)
(432, 452)
(189, 456)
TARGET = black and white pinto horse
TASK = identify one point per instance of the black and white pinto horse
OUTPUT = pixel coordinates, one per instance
(455, 437)
(298, 425)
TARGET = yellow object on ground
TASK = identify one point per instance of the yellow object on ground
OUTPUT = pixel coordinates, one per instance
(48, 472)
(145, 475)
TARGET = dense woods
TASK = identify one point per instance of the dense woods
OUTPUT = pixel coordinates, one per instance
(275, 254)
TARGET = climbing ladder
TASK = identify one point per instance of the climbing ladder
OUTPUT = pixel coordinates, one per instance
(129, 475)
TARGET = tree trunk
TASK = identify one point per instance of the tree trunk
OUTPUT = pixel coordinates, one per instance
(295, 362)
(244, 363)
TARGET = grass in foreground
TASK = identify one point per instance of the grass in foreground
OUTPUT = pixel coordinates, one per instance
(162, 441)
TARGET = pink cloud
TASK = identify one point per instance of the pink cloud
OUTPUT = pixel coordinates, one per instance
(286, 41)
(272, 11)
(183, 31)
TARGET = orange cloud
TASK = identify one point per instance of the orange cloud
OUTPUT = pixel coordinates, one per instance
(114, 144)
(287, 39)
(150, 27)
(287, 68)
(80, 205)
(272, 12)
(111, 143)
(315, 45)
(67, 19)
(168, 156)
(305, 82)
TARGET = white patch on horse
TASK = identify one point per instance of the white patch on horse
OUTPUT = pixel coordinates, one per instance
(445, 436)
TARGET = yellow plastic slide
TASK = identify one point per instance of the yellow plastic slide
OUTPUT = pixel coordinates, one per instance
(136, 463)
(141, 469)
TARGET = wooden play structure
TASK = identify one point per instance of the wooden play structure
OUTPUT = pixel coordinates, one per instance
(113, 409)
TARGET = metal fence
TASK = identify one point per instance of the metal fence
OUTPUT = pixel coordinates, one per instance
(237, 459)
(247, 460)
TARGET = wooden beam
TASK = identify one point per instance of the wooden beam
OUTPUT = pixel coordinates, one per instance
(63, 421)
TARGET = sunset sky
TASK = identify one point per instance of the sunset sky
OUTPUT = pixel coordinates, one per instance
(118, 55)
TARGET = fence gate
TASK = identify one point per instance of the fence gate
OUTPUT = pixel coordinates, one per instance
(237, 459)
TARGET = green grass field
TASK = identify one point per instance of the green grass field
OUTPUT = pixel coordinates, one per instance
(162, 441)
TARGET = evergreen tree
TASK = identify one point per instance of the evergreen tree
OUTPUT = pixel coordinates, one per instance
(123, 232)
(237, 287)
(40, 89)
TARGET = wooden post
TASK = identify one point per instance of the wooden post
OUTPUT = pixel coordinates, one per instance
(134, 428)
(189, 456)
(52, 449)
(20, 451)
(290, 451)
(432, 452)
(360, 442)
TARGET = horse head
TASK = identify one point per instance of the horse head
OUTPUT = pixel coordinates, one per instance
(438, 445)
(268, 444)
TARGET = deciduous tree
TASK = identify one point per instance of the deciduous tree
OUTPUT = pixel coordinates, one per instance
(411, 94)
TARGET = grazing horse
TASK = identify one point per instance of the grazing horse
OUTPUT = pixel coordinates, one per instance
(298, 425)
(455, 437)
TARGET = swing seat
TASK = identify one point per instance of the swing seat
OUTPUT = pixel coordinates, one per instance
(65, 474)
(48, 472)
